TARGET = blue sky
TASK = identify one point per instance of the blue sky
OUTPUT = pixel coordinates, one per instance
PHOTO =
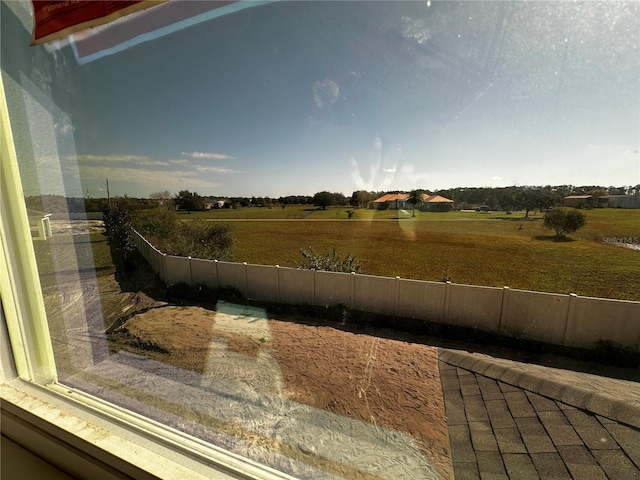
(294, 98)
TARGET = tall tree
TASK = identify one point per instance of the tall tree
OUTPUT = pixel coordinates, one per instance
(189, 201)
(596, 193)
(509, 199)
(415, 199)
(339, 199)
(361, 198)
(164, 199)
(536, 198)
(324, 199)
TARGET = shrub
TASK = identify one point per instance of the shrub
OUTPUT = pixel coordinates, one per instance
(158, 223)
(564, 220)
(200, 239)
(329, 262)
(117, 222)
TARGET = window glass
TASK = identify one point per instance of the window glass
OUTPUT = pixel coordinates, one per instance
(269, 133)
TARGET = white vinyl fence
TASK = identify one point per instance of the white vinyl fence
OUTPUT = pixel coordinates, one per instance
(568, 320)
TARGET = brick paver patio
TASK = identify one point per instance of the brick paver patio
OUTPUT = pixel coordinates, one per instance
(501, 426)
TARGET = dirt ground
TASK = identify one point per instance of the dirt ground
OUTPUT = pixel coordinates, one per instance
(387, 383)
(76, 227)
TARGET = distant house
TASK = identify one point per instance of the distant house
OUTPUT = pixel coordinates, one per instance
(398, 201)
(392, 201)
(619, 201)
(578, 201)
(436, 203)
(603, 201)
(216, 204)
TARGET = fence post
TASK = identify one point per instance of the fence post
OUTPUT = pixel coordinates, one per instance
(313, 288)
(190, 272)
(353, 288)
(447, 300)
(215, 267)
(164, 267)
(246, 289)
(505, 306)
(573, 298)
(396, 303)
(278, 283)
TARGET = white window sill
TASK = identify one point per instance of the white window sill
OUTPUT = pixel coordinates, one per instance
(87, 443)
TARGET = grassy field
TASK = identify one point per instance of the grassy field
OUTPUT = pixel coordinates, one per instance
(493, 249)
(257, 213)
(470, 248)
(309, 212)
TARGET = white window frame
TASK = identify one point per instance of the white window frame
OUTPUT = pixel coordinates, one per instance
(78, 432)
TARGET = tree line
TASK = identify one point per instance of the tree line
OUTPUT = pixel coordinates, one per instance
(527, 197)
(514, 198)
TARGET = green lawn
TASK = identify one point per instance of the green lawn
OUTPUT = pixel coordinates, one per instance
(471, 248)
(259, 213)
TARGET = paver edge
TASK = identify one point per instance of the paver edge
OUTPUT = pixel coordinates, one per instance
(569, 394)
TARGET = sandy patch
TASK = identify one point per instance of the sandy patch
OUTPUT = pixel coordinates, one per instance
(386, 383)
(76, 227)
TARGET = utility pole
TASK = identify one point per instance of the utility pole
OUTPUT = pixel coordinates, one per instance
(108, 196)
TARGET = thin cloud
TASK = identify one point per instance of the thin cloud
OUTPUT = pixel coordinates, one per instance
(132, 160)
(154, 163)
(146, 177)
(113, 158)
(208, 169)
(208, 155)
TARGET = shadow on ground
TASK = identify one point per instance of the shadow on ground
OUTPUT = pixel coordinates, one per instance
(553, 238)
(604, 359)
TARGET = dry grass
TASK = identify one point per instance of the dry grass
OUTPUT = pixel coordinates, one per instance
(471, 248)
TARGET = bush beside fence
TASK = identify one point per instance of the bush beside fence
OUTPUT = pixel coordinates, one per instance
(566, 320)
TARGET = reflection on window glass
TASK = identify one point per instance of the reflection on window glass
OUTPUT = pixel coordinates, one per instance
(418, 144)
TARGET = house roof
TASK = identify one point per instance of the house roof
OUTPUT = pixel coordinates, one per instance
(392, 197)
(426, 198)
(435, 199)
(579, 196)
